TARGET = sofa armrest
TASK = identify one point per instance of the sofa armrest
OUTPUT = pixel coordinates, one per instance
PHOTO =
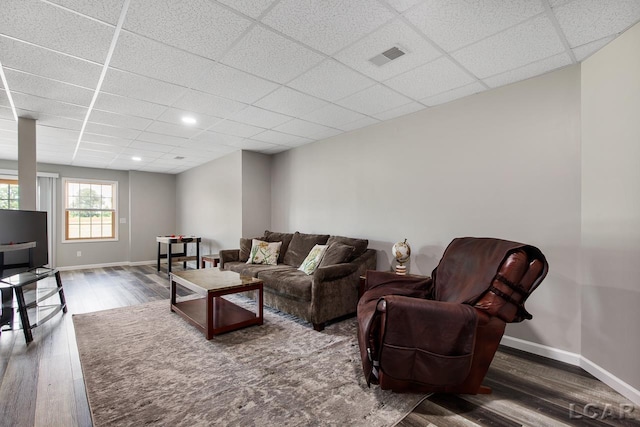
(229, 255)
(333, 272)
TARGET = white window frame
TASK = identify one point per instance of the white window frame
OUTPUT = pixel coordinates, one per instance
(65, 200)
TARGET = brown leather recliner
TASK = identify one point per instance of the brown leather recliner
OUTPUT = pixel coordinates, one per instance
(439, 334)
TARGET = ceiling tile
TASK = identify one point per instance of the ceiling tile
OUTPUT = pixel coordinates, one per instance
(276, 149)
(291, 102)
(175, 115)
(140, 87)
(435, 77)
(417, 51)
(47, 106)
(402, 5)
(583, 52)
(199, 102)
(307, 129)
(62, 135)
(58, 122)
(57, 29)
(332, 115)
(114, 131)
(210, 146)
(104, 10)
(329, 25)
(460, 92)
(520, 45)
(96, 146)
(181, 131)
(280, 138)
(457, 23)
(331, 81)
(150, 58)
(252, 8)
(587, 20)
(5, 111)
(105, 139)
(358, 124)
(374, 100)
(228, 82)
(158, 138)
(250, 144)
(187, 24)
(46, 63)
(529, 70)
(236, 129)
(128, 152)
(269, 55)
(216, 138)
(403, 110)
(119, 120)
(122, 105)
(46, 88)
(260, 117)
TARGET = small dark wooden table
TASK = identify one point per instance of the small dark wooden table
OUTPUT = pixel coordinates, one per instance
(211, 313)
(214, 259)
(181, 256)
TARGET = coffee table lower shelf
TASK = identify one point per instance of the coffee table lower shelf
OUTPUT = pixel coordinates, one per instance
(225, 315)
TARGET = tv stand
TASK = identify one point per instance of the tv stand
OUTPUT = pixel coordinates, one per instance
(32, 301)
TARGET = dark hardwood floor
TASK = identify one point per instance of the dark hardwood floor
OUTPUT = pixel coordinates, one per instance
(41, 383)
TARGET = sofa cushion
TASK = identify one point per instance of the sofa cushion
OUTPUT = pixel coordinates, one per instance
(312, 261)
(285, 238)
(252, 270)
(337, 253)
(300, 246)
(289, 282)
(264, 252)
(360, 245)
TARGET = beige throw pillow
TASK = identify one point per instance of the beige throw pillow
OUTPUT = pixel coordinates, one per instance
(264, 252)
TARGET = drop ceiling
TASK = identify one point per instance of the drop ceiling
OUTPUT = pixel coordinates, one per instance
(110, 80)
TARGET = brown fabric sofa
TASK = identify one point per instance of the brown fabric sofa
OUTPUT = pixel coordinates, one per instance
(330, 292)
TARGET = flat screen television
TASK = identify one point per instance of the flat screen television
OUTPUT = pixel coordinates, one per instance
(18, 226)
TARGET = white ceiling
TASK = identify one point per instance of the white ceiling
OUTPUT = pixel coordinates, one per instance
(263, 75)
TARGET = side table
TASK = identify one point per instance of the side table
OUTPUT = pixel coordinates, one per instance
(214, 259)
(31, 311)
(181, 256)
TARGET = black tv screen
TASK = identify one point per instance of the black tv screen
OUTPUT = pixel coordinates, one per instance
(18, 226)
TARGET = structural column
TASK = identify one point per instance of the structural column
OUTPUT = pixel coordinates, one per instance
(27, 167)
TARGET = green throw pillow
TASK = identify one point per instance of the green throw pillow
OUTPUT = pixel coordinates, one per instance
(312, 260)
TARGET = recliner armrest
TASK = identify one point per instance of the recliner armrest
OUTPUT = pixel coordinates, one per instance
(438, 337)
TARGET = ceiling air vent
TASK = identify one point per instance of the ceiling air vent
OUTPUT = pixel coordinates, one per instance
(179, 158)
(387, 56)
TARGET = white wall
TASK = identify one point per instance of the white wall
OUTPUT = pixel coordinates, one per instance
(209, 203)
(153, 212)
(611, 207)
(504, 163)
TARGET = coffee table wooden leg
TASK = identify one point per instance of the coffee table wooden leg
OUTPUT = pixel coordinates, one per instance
(210, 314)
(260, 304)
(173, 293)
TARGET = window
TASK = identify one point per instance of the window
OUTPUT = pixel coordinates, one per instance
(90, 209)
(9, 194)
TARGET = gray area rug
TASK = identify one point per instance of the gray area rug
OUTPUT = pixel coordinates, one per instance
(144, 365)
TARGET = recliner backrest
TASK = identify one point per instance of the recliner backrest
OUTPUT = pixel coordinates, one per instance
(492, 274)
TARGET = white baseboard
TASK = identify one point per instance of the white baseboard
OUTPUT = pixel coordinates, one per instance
(575, 359)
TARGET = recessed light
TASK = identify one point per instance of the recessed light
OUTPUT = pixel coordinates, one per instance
(188, 120)
(137, 159)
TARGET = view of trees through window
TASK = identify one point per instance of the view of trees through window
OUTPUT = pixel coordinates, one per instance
(90, 210)
(9, 194)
